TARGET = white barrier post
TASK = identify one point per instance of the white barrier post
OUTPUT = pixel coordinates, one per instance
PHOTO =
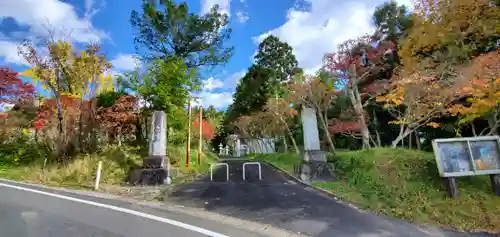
(252, 163)
(219, 164)
(98, 175)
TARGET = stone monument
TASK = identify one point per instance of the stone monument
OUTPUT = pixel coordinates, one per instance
(155, 168)
(238, 147)
(314, 166)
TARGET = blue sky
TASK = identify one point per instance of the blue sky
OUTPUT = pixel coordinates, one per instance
(311, 27)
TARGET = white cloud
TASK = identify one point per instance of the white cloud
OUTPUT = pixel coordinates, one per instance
(9, 52)
(219, 100)
(242, 16)
(211, 84)
(37, 16)
(228, 83)
(91, 9)
(319, 28)
(57, 14)
(224, 6)
(125, 62)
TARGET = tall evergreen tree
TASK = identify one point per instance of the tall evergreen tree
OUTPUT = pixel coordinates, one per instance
(174, 31)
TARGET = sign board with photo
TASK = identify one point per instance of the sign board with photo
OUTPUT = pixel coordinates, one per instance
(467, 156)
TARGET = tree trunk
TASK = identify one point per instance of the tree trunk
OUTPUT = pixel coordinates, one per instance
(285, 144)
(322, 118)
(377, 134)
(119, 137)
(474, 133)
(403, 133)
(417, 139)
(493, 124)
(409, 141)
(358, 109)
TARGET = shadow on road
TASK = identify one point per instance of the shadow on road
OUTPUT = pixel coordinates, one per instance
(280, 202)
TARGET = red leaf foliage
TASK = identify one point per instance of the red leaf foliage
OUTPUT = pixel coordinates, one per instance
(12, 89)
(48, 110)
(121, 115)
(208, 129)
(340, 126)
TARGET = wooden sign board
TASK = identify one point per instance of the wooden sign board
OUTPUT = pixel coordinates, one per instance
(467, 156)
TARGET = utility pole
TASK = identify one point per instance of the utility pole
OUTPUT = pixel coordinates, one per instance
(200, 144)
(188, 145)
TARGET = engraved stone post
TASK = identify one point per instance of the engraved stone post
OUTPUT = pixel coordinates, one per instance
(238, 147)
(155, 168)
(314, 166)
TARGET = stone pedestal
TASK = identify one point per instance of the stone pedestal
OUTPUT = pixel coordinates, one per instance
(314, 166)
(155, 168)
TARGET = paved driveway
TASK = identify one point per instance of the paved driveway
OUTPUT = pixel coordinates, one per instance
(283, 203)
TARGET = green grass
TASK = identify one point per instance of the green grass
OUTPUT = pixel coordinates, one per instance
(117, 163)
(284, 161)
(405, 184)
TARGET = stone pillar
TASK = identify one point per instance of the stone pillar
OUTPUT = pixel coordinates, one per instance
(155, 168)
(238, 147)
(314, 166)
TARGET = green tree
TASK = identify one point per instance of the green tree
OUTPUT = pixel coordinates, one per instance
(165, 85)
(392, 21)
(278, 57)
(274, 65)
(174, 31)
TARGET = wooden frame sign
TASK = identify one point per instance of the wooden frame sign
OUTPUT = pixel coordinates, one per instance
(467, 156)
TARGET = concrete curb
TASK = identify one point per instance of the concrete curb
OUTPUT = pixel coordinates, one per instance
(255, 227)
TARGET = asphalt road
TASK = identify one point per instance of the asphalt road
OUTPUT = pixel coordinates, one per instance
(277, 201)
(32, 211)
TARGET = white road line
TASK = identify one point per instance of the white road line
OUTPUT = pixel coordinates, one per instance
(120, 209)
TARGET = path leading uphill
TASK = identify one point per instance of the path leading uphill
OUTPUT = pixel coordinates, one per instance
(283, 203)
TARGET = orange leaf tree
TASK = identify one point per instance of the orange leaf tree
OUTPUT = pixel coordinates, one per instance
(415, 100)
(208, 129)
(482, 92)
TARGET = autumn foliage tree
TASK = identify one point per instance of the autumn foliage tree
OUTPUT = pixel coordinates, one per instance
(482, 92)
(316, 93)
(207, 128)
(416, 100)
(12, 89)
(14, 92)
(280, 114)
(119, 119)
(357, 63)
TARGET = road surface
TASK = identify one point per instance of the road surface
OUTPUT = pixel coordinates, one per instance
(33, 211)
(280, 202)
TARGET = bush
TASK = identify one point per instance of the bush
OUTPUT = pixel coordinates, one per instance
(22, 152)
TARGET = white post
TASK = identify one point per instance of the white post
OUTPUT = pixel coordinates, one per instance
(252, 163)
(98, 175)
(215, 165)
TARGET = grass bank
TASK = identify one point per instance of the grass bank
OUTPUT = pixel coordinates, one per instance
(117, 164)
(405, 184)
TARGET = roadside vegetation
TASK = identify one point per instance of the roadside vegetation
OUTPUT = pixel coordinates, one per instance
(68, 110)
